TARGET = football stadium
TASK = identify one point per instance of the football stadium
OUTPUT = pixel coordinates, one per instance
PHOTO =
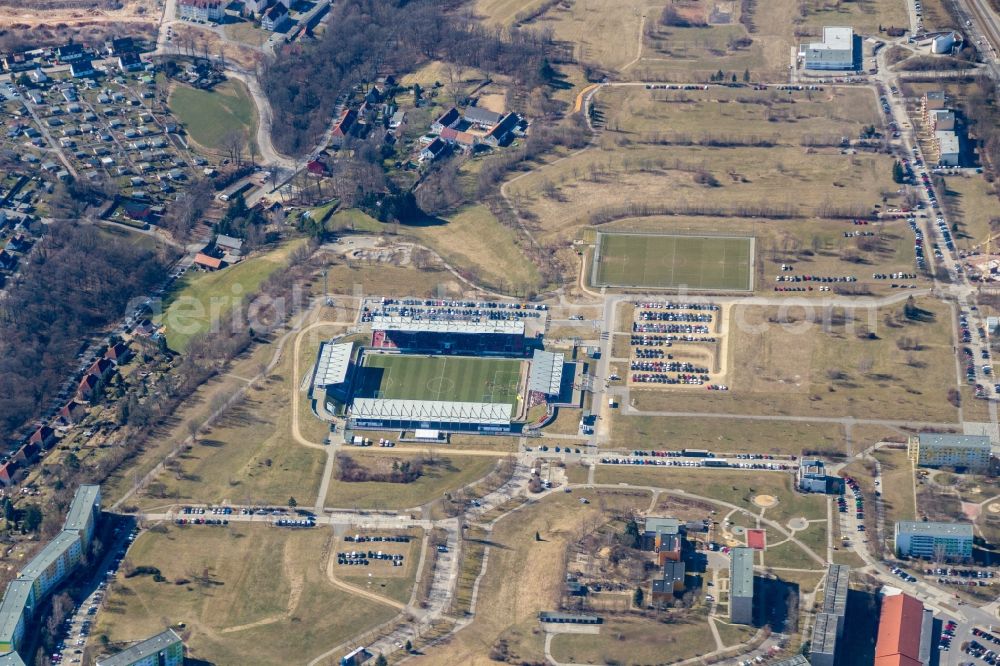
(477, 368)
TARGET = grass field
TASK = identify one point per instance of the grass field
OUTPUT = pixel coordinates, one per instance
(451, 379)
(655, 261)
(447, 474)
(200, 299)
(208, 116)
(253, 594)
(648, 641)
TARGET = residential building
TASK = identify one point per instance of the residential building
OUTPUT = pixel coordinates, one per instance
(966, 452)
(835, 52)
(672, 581)
(200, 10)
(254, 7)
(935, 99)
(797, 660)
(938, 541)
(502, 133)
(81, 69)
(741, 586)
(129, 62)
(116, 47)
(163, 649)
(433, 150)
(949, 148)
(275, 18)
(835, 594)
(343, 125)
(447, 119)
(229, 244)
(53, 564)
(84, 512)
(15, 611)
(483, 118)
(904, 632)
(70, 53)
(823, 648)
(37, 76)
(943, 120)
(208, 263)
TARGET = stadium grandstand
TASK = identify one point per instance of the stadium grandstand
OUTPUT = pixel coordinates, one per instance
(408, 333)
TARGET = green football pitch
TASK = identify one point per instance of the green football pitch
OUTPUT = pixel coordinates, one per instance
(659, 261)
(449, 378)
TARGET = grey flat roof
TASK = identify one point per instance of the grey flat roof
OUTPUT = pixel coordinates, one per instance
(741, 572)
(413, 325)
(546, 372)
(11, 659)
(922, 528)
(52, 551)
(835, 595)
(797, 660)
(662, 525)
(432, 410)
(958, 441)
(12, 607)
(334, 359)
(83, 504)
(824, 635)
(141, 650)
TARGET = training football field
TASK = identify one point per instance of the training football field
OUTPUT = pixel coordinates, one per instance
(449, 378)
(667, 262)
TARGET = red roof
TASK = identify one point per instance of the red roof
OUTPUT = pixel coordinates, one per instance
(316, 167)
(756, 539)
(41, 435)
(899, 631)
(344, 123)
(203, 259)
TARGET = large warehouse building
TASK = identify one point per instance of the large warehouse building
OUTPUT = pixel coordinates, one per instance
(835, 52)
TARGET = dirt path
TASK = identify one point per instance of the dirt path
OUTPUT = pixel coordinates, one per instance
(297, 583)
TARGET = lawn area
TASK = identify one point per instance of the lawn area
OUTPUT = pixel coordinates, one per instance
(660, 262)
(208, 116)
(737, 488)
(248, 456)
(971, 202)
(474, 242)
(524, 577)
(448, 474)
(734, 634)
(451, 379)
(897, 485)
(649, 641)
(352, 219)
(247, 594)
(725, 435)
(199, 298)
(805, 366)
(790, 556)
(245, 32)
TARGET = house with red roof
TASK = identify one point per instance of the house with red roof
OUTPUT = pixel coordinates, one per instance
(904, 632)
(207, 262)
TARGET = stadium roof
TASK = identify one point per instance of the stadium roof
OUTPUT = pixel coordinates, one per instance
(411, 325)
(52, 552)
(142, 650)
(12, 608)
(432, 410)
(546, 372)
(334, 359)
(86, 498)
(11, 659)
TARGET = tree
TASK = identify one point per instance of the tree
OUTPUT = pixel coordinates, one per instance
(292, 503)
(538, 537)
(746, 75)
(408, 646)
(638, 597)
(897, 172)
(734, 77)
(31, 518)
(381, 661)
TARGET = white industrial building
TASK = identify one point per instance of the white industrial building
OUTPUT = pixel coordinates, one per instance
(835, 52)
